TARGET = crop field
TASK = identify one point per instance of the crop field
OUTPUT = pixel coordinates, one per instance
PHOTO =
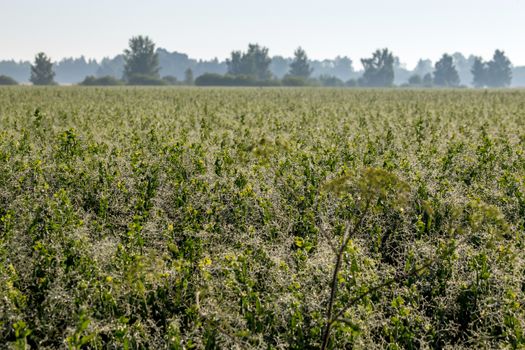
(188, 218)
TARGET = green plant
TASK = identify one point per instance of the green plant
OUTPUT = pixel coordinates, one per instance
(261, 218)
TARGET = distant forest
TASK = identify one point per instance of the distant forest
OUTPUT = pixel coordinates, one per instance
(175, 64)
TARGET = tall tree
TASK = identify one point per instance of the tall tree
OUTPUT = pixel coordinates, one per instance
(423, 67)
(188, 77)
(280, 66)
(261, 61)
(479, 73)
(235, 63)
(141, 58)
(445, 73)
(111, 67)
(499, 72)
(73, 70)
(379, 69)
(300, 67)
(254, 63)
(342, 67)
(42, 70)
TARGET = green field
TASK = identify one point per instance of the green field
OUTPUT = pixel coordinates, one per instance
(214, 218)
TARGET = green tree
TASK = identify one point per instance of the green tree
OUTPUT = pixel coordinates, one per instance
(254, 63)
(479, 73)
(379, 69)
(415, 80)
(445, 73)
(300, 67)
(141, 60)
(235, 63)
(188, 77)
(427, 80)
(499, 70)
(42, 70)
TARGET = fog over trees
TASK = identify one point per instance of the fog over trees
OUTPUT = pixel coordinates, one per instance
(141, 60)
(42, 70)
(379, 69)
(383, 68)
(300, 67)
(445, 72)
(254, 63)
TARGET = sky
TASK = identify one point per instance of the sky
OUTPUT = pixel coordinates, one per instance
(412, 29)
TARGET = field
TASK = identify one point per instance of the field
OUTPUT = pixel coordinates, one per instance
(261, 218)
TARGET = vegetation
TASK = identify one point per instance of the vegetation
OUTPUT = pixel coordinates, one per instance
(261, 218)
(415, 80)
(42, 70)
(142, 62)
(379, 69)
(5, 80)
(254, 63)
(101, 81)
(428, 80)
(331, 81)
(171, 80)
(188, 77)
(141, 65)
(211, 79)
(445, 73)
(295, 81)
(144, 79)
(300, 68)
(479, 73)
(495, 73)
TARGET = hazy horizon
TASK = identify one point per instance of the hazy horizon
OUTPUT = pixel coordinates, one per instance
(205, 29)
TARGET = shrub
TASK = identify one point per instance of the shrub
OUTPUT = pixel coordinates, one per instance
(294, 81)
(330, 81)
(213, 79)
(5, 80)
(171, 80)
(101, 81)
(415, 80)
(351, 83)
(141, 79)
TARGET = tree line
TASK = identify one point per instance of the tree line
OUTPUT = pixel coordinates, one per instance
(252, 68)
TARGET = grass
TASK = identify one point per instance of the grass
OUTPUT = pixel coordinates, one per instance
(261, 218)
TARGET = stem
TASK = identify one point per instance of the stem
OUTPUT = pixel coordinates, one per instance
(338, 262)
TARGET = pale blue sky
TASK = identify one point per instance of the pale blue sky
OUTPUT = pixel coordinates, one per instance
(207, 28)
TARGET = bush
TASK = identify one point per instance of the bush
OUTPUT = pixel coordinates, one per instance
(5, 80)
(171, 80)
(101, 81)
(415, 80)
(352, 83)
(210, 79)
(141, 79)
(294, 81)
(330, 80)
(213, 79)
